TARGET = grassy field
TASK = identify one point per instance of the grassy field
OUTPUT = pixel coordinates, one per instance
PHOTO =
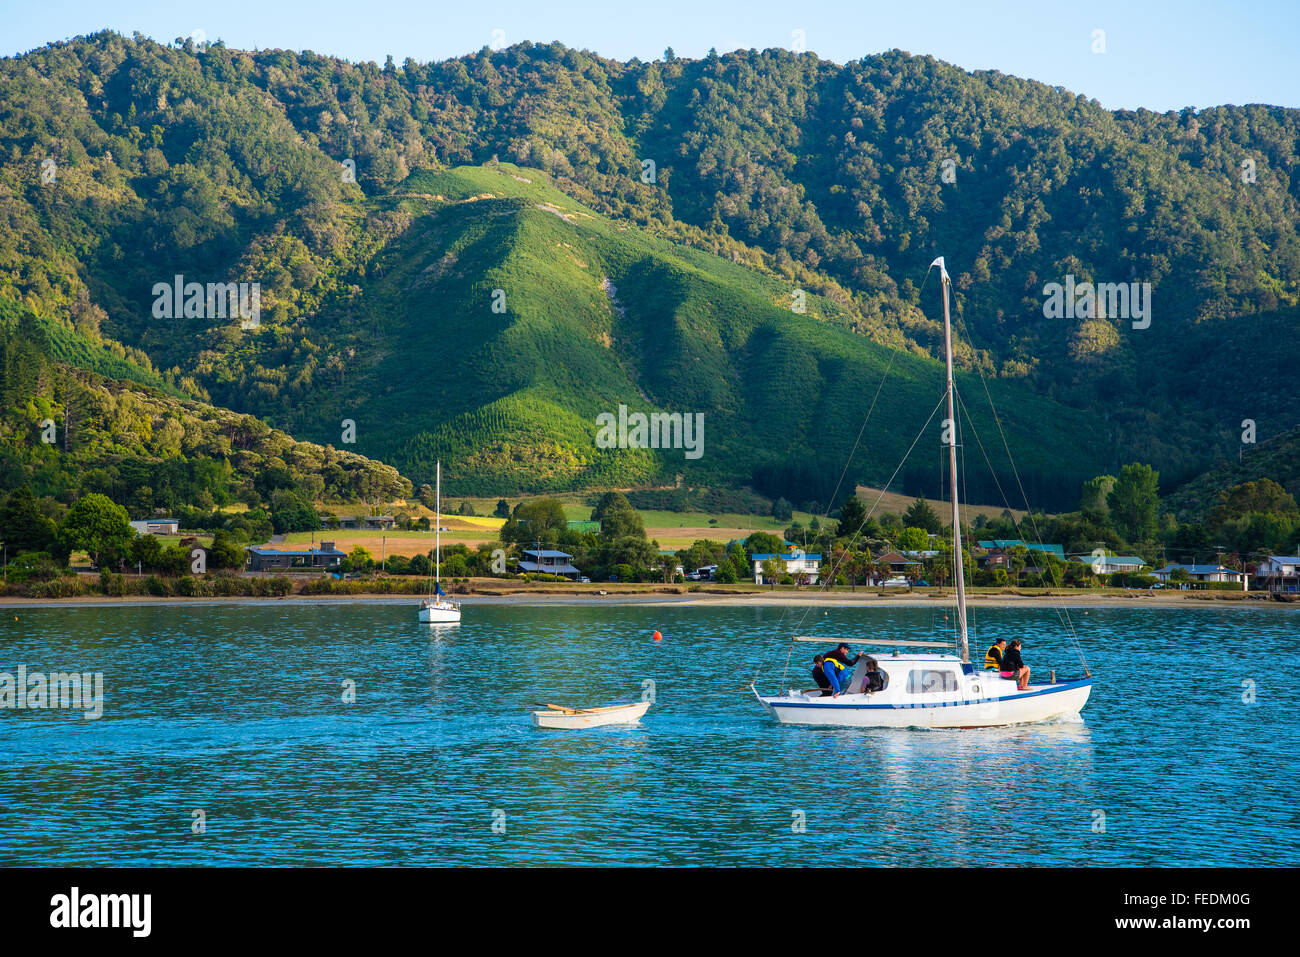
(894, 502)
(672, 530)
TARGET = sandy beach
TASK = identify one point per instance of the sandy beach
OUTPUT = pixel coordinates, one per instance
(1081, 599)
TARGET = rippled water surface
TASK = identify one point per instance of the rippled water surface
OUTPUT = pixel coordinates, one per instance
(237, 710)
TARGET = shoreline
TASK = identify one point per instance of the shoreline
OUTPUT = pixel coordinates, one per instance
(692, 599)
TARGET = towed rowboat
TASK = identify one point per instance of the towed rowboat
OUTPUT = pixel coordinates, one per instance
(556, 716)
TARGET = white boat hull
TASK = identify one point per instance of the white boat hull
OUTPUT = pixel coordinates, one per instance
(440, 613)
(591, 717)
(973, 700)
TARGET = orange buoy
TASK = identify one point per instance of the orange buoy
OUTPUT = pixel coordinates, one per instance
(658, 636)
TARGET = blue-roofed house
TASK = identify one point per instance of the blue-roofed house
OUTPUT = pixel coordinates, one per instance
(803, 568)
(1280, 573)
(326, 558)
(548, 561)
(1201, 573)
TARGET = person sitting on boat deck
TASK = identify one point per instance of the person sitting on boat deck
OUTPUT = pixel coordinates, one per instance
(993, 657)
(819, 675)
(1013, 666)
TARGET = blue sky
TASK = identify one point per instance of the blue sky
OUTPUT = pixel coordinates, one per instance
(1163, 56)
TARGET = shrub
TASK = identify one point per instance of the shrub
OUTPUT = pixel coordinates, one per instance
(111, 583)
(65, 587)
(159, 587)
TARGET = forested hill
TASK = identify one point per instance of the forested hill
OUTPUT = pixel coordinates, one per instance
(221, 163)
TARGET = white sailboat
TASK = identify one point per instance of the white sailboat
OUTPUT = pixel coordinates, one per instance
(437, 609)
(931, 690)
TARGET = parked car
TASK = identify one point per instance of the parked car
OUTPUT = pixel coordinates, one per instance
(585, 580)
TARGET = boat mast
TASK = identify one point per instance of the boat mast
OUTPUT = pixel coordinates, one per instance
(952, 471)
(437, 527)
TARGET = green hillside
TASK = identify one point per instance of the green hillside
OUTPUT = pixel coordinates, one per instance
(67, 427)
(773, 172)
(600, 315)
(1274, 457)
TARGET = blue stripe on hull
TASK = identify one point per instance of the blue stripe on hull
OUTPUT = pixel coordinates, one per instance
(1051, 689)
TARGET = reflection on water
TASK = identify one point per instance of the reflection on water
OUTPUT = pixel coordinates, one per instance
(240, 711)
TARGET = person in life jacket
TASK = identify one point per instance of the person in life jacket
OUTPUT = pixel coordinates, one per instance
(993, 657)
(837, 670)
(844, 664)
(819, 675)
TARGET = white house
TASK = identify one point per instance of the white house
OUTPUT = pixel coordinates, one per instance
(1280, 573)
(803, 568)
(1201, 573)
(157, 526)
(1110, 564)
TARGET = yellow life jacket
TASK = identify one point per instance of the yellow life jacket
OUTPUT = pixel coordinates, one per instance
(993, 658)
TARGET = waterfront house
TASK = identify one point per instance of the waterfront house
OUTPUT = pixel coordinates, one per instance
(804, 569)
(1280, 574)
(326, 558)
(548, 561)
(898, 564)
(1200, 574)
(1110, 564)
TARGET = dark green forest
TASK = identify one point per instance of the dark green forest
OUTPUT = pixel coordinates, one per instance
(774, 173)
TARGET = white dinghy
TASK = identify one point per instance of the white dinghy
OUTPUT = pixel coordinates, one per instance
(557, 716)
(931, 690)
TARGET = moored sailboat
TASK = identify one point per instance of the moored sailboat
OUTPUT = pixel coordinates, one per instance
(931, 690)
(437, 608)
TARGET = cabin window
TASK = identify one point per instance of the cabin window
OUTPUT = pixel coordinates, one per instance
(926, 682)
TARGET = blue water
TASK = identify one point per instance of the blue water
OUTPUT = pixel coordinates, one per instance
(237, 710)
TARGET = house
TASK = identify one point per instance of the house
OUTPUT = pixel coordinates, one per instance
(898, 564)
(157, 526)
(804, 569)
(1280, 574)
(325, 558)
(1006, 544)
(1110, 564)
(548, 561)
(1202, 573)
(379, 521)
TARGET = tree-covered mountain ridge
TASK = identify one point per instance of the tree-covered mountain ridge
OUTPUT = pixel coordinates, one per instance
(823, 178)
